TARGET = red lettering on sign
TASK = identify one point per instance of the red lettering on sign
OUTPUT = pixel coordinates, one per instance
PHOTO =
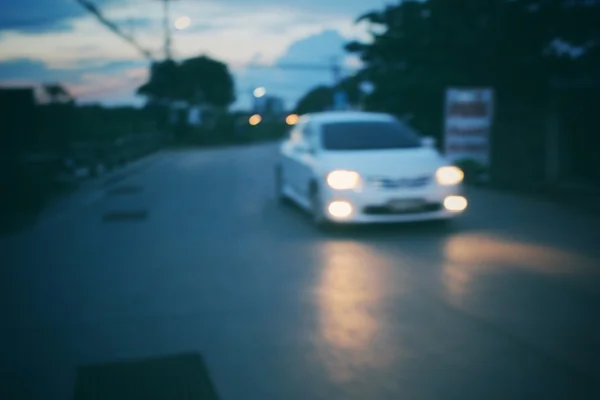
(468, 131)
(468, 109)
(467, 147)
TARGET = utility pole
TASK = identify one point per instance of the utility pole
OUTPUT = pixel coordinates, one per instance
(167, 30)
(336, 70)
(340, 98)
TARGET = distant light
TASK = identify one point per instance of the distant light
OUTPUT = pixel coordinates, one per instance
(291, 119)
(182, 22)
(255, 119)
(260, 92)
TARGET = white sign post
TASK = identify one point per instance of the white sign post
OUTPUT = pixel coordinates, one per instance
(468, 124)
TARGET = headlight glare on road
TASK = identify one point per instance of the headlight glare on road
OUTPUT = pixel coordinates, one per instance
(339, 209)
(342, 180)
(449, 176)
(455, 203)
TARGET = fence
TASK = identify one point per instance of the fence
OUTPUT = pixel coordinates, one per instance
(54, 145)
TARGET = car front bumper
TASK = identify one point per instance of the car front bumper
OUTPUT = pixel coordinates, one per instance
(373, 205)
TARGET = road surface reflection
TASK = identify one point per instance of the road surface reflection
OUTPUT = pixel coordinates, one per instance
(470, 255)
(354, 286)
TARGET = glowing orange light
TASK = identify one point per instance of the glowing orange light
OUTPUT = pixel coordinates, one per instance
(255, 119)
(291, 119)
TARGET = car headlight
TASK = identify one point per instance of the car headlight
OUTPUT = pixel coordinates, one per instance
(449, 176)
(342, 180)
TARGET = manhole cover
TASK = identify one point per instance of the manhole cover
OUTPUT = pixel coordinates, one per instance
(175, 377)
(122, 190)
(131, 215)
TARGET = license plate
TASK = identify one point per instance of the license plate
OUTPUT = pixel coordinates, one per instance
(405, 204)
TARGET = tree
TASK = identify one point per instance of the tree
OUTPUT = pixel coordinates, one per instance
(206, 80)
(164, 82)
(198, 80)
(317, 99)
(420, 48)
(57, 94)
(321, 98)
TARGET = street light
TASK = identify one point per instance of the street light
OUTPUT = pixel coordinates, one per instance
(291, 119)
(255, 120)
(259, 92)
(182, 22)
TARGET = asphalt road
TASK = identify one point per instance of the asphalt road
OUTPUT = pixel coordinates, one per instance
(503, 304)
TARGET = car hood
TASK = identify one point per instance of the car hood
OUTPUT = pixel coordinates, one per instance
(391, 163)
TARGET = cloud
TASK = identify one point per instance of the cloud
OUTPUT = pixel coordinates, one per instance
(314, 7)
(114, 81)
(237, 32)
(109, 67)
(109, 88)
(322, 47)
(287, 78)
(87, 42)
(33, 69)
(110, 82)
(230, 30)
(42, 16)
(25, 69)
(35, 26)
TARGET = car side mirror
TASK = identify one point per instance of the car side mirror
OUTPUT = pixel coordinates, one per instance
(427, 141)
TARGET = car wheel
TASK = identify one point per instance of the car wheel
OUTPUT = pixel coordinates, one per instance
(279, 194)
(316, 208)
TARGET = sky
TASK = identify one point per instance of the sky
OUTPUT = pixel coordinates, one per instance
(58, 41)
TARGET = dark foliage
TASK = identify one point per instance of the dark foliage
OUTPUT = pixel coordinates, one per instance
(198, 80)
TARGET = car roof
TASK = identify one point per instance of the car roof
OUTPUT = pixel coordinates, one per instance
(347, 116)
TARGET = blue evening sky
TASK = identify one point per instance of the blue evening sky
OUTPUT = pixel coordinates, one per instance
(58, 41)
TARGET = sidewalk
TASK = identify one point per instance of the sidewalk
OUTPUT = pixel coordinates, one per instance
(584, 198)
(80, 191)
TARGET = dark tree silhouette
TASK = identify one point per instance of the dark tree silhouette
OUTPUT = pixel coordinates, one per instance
(58, 93)
(421, 48)
(198, 80)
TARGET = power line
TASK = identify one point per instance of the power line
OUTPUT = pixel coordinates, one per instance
(300, 66)
(114, 28)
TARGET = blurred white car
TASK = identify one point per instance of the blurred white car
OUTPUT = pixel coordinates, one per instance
(366, 167)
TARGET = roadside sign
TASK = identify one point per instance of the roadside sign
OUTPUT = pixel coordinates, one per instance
(468, 124)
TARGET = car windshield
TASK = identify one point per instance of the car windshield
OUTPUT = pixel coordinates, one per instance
(368, 135)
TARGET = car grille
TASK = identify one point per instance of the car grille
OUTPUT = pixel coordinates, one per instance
(385, 210)
(400, 183)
